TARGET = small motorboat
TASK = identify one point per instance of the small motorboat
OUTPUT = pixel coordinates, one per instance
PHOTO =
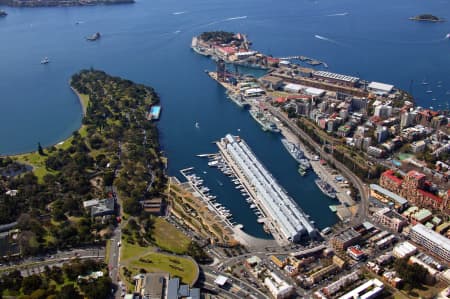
(45, 60)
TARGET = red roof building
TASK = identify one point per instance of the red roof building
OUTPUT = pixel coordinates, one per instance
(390, 181)
(416, 175)
(271, 60)
(414, 187)
(355, 253)
(225, 51)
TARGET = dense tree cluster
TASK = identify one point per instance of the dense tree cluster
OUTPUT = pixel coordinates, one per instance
(8, 167)
(413, 274)
(221, 37)
(196, 252)
(43, 285)
(117, 120)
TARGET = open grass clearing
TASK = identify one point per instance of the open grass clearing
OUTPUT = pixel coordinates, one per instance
(167, 237)
(132, 251)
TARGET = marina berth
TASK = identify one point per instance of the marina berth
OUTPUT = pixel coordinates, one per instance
(290, 222)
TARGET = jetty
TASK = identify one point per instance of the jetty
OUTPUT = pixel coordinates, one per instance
(202, 192)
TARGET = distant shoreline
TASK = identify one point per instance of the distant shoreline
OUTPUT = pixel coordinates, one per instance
(61, 3)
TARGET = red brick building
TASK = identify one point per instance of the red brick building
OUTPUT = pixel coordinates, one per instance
(413, 187)
(391, 181)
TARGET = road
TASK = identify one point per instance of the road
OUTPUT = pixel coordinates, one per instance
(114, 254)
(36, 264)
(114, 251)
(355, 180)
(236, 288)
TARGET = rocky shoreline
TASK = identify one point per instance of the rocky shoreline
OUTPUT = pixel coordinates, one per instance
(41, 3)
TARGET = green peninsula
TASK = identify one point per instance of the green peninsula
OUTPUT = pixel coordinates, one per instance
(115, 143)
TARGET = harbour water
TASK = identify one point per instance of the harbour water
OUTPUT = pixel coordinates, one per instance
(148, 42)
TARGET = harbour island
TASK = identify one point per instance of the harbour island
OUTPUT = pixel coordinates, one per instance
(427, 18)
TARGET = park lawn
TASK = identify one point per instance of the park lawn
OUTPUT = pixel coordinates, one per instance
(37, 162)
(130, 251)
(107, 251)
(64, 145)
(167, 237)
(175, 265)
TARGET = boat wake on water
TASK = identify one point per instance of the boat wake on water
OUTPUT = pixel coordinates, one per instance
(322, 37)
(342, 14)
(328, 40)
(236, 18)
(179, 13)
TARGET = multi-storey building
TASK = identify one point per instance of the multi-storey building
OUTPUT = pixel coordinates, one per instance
(345, 239)
(431, 240)
(391, 219)
(391, 181)
(375, 151)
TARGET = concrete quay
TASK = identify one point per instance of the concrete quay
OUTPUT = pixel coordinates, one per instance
(321, 171)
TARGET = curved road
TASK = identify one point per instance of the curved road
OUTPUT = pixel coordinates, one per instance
(356, 181)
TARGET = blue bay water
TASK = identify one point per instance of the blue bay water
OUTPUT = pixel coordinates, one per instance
(148, 42)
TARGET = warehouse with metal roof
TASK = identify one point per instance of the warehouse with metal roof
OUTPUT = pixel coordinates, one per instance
(290, 220)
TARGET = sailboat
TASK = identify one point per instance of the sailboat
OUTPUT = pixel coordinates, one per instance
(197, 125)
